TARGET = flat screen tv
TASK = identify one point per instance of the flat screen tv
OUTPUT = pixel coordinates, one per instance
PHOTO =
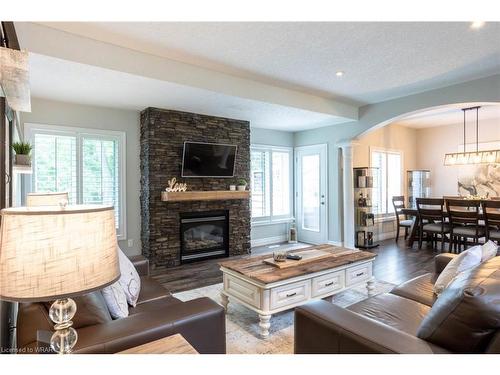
(208, 159)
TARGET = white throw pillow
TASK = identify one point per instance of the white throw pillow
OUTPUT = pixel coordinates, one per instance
(489, 250)
(116, 301)
(467, 259)
(129, 279)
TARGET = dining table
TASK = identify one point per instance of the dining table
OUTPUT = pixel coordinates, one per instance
(413, 213)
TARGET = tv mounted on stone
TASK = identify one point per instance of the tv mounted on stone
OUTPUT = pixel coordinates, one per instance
(200, 159)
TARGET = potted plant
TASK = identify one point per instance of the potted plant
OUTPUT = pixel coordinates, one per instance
(242, 184)
(22, 150)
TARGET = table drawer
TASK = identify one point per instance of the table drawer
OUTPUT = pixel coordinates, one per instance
(358, 274)
(290, 294)
(328, 283)
(242, 290)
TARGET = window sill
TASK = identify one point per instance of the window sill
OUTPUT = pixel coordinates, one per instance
(262, 223)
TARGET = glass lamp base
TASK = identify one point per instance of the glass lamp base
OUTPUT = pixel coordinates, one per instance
(64, 338)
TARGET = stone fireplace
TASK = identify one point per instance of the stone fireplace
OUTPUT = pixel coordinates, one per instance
(163, 133)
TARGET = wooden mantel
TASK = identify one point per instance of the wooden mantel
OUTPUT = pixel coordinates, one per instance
(211, 195)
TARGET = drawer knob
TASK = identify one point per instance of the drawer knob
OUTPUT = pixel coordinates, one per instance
(360, 274)
(329, 284)
(291, 294)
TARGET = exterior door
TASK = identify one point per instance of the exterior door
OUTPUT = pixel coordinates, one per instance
(311, 193)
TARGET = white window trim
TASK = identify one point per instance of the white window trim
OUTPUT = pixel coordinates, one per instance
(389, 215)
(275, 219)
(31, 128)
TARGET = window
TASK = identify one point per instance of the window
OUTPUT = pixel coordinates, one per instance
(87, 163)
(271, 185)
(387, 179)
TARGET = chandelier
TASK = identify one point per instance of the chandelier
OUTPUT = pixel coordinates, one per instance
(472, 157)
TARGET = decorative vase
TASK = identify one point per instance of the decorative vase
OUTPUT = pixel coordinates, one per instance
(232, 187)
(22, 159)
(242, 187)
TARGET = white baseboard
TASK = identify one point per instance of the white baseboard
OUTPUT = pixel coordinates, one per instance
(268, 240)
(336, 243)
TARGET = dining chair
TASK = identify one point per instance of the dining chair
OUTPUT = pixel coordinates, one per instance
(464, 216)
(432, 220)
(398, 202)
(491, 213)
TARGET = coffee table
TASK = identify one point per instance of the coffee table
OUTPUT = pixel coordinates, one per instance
(267, 290)
(175, 344)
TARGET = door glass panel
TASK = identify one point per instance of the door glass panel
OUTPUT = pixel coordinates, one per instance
(311, 192)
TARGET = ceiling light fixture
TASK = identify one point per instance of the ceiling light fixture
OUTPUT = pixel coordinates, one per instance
(474, 157)
(477, 24)
(340, 73)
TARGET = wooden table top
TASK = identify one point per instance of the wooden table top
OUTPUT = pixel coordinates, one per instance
(254, 268)
(175, 344)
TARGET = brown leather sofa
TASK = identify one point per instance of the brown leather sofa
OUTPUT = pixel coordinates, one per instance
(157, 314)
(410, 319)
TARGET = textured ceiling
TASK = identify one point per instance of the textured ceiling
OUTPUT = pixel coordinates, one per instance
(451, 115)
(380, 60)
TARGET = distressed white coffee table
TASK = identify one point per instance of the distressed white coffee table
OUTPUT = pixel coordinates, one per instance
(268, 290)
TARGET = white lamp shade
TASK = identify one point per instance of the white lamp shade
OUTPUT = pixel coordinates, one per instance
(52, 252)
(47, 199)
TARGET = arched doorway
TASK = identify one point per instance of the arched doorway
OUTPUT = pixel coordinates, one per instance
(418, 140)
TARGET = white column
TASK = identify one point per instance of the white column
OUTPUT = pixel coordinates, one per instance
(348, 192)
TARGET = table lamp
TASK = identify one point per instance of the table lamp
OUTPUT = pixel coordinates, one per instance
(52, 253)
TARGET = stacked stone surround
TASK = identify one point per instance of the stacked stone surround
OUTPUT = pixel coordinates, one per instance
(163, 133)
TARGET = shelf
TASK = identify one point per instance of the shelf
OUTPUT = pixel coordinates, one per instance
(22, 169)
(211, 195)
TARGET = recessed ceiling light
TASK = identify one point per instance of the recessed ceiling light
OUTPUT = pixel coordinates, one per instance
(340, 73)
(477, 24)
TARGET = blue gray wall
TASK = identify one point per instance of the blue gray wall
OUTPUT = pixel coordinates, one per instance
(267, 233)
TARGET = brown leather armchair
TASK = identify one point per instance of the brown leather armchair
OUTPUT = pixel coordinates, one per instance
(410, 319)
(157, 314)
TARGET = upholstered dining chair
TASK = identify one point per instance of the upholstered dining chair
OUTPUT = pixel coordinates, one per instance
(47, 199)
(402, 221)
(432, 220)
(491, 213)
(464, 216)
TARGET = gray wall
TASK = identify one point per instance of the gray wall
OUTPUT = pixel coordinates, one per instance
(67, 114)
(269, 232)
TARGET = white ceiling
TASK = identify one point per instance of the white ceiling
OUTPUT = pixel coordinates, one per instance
(86, 84)
(275, 75)
(451, 115)
(381, 60)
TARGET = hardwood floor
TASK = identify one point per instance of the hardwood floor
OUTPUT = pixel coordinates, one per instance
(395, 264)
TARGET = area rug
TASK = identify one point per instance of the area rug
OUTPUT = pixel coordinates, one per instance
(242, 324)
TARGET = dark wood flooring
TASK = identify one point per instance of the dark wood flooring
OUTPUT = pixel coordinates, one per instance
(395, 264)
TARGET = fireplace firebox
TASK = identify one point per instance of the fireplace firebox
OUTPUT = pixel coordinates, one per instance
(204, 235)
